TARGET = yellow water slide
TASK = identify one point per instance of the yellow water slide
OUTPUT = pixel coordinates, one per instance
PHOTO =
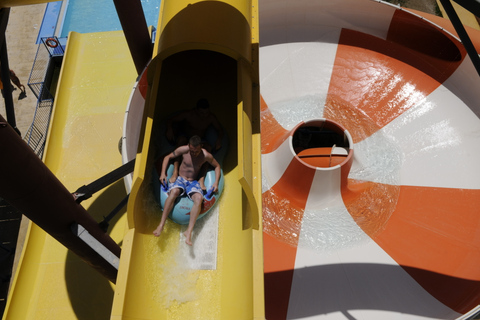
(95, 80)
(204, 49)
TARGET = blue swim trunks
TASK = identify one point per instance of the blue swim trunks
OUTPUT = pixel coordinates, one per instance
(189, 187)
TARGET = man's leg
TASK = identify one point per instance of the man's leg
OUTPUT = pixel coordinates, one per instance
(173, 194)
(197, 205)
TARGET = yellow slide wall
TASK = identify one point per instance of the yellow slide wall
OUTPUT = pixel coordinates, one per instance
(220, 62)
(200, 59)
(94, 86)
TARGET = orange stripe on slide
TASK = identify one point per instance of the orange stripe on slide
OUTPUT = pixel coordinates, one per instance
(374, 80)
(279, 266)
(434, 234)
(273, 134)
(283, 208)
(284, 203)
(370, 204)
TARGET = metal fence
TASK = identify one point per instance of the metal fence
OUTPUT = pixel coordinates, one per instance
(37, 133)
(49, 55)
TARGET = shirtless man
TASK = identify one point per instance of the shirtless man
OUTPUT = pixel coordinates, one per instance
(193, 157)
(194, 122)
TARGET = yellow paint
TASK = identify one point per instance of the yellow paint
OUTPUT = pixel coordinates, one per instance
(95, 82)
(153, 282)
(223, 26)
(467, 18)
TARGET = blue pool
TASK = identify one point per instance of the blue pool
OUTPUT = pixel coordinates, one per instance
(100, 15)
(86, 16)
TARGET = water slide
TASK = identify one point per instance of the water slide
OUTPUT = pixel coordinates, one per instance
(95, 81)
(387, 232)
(221, 275)
(225, 278)
(389, 228)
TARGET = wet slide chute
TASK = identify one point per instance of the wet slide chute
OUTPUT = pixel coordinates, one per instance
(206, 49)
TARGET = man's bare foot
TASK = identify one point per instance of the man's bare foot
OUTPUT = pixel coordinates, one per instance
(158, 231)
(188, 236)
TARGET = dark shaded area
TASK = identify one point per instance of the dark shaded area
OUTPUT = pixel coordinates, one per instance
(277, 293)
(423, 37)
(10, 219)
(195, 74)
(461, 295)
(411, 49)
(91, 295)
(51, 78)
(346, 287)
(316, 137)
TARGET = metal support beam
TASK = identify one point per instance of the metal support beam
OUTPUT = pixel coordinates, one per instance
(462, 33)
(86, 191)
(134, 25)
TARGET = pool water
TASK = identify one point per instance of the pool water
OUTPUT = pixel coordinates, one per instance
(86, 16)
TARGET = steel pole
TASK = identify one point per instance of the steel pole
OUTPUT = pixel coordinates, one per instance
(134, 25)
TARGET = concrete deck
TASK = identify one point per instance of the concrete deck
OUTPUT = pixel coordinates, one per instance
(22, 31)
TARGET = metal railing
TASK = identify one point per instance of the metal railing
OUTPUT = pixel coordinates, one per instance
(49, 54)
(47, 51)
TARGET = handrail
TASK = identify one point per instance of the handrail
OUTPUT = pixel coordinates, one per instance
(244, 155)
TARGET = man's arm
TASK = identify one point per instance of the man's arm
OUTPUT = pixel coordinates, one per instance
(172, 155)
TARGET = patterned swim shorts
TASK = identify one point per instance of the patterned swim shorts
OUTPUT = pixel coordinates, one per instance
(189, 187)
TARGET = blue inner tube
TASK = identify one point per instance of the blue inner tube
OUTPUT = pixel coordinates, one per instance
(183, 205)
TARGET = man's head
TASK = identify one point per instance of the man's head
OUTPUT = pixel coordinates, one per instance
(195, 145)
